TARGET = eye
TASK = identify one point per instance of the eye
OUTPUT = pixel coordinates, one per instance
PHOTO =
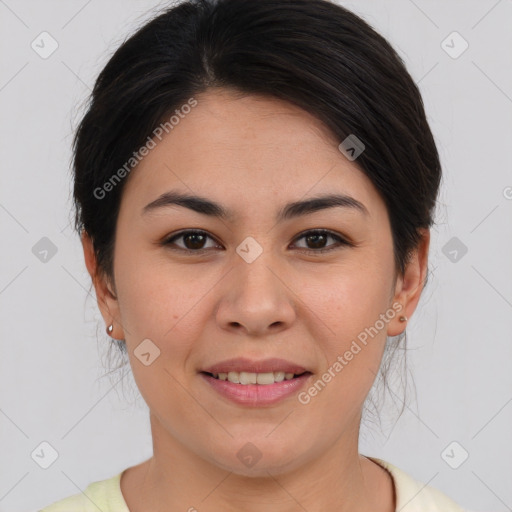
(318, 237)
(193, 240)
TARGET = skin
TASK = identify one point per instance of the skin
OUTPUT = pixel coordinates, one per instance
(253, 154)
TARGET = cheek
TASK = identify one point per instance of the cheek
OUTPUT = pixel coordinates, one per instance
(349, 298)
(348, 306)
(160, 306)
(156, 295)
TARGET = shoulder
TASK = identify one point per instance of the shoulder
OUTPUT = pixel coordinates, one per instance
(411, 496)
(414, 496)
(104, 495)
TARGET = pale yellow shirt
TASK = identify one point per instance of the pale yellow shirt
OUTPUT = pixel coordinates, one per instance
(411, 496)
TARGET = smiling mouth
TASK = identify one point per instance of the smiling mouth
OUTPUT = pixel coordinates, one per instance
(246, 378)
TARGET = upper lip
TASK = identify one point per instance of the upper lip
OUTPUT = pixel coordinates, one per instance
(241, 364)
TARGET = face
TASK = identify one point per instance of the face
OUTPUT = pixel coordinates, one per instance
(257, 283)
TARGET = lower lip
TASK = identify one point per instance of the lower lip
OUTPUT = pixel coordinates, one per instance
(257, 394)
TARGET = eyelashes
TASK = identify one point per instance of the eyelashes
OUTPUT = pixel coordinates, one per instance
(198, 237)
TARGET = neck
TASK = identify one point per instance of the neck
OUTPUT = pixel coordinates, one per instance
(338, 480)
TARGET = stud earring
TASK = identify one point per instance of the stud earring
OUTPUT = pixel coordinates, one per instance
(403, 319)
(109, 330)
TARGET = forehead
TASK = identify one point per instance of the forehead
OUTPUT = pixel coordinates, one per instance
(256, 120)
(240, 148)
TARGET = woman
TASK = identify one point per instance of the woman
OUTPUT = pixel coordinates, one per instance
(254, 187)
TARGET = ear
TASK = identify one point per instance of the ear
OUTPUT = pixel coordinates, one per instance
(107, 301)
(408, 287)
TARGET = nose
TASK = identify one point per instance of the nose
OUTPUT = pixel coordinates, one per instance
(256, 298)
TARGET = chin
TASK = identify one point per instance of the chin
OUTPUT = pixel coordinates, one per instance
(259, 457)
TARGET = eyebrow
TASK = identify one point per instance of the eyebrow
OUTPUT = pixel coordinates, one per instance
(291, 210)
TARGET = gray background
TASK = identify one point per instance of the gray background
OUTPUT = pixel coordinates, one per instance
(53, 386)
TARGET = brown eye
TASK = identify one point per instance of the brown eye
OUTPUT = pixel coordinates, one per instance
(316, 241)
(193, 241)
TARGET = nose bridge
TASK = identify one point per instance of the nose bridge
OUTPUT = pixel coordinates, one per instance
(258, 258)
(255, 297)
(253, 274)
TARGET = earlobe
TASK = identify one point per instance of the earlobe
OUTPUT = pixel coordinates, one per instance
(410, 285)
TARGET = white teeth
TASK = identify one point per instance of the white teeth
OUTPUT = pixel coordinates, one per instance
(264, 378)
(234, 377)
(247, 378)
(254, 378)
(279, 376)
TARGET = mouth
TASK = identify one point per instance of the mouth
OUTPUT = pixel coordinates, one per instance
(263, 378)
(255, 383)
